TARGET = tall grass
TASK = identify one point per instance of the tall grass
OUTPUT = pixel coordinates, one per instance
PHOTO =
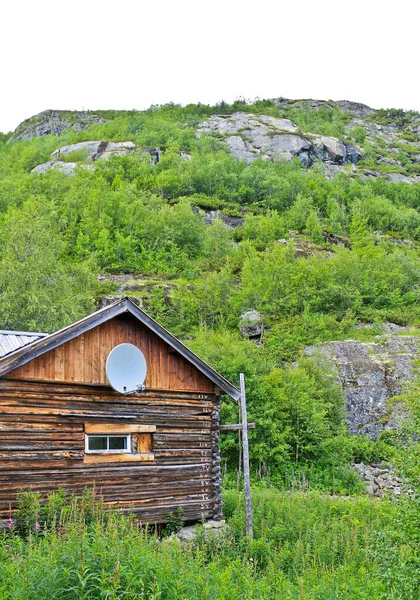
(305, 546)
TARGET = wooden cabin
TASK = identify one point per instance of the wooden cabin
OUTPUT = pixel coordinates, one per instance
(62, 424)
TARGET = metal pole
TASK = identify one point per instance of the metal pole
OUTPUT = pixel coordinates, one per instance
(247, 483)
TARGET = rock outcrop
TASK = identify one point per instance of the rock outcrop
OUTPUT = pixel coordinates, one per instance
(250, 136)
(371, 375)
(89, 152)
(55, 122)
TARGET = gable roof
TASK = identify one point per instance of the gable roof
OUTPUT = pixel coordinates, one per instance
(40, 345)
(13, 340)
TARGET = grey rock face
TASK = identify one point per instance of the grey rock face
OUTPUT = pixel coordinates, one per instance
(54, 122)
(250, 136)
(371, 374)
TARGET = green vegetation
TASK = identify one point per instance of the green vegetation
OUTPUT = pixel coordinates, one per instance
(305, 546)
(315, 256)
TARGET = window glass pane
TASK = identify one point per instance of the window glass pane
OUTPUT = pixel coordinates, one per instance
(97, 442)
(118, 443)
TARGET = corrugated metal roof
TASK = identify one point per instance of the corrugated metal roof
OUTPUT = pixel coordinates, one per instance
(13, 340)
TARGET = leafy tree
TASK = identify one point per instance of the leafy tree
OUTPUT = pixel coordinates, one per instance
(40, 289)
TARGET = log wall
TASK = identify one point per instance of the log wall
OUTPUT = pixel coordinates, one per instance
(42, 440)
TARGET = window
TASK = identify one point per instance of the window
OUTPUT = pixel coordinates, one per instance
(118, 442)
(108, 443)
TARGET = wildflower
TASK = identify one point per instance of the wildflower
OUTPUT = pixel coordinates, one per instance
(37, 527)
(10, 523)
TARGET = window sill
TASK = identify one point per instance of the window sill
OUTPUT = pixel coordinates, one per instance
(118, 458)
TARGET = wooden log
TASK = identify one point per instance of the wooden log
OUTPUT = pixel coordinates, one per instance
(110, 428)
(236, 427)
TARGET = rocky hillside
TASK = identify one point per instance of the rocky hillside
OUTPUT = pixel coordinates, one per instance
(253, 231)
(371, 143)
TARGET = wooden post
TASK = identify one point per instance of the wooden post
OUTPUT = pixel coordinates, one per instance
(247, 483)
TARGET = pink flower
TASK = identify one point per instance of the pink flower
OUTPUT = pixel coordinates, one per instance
(10, 523)
(37, 527)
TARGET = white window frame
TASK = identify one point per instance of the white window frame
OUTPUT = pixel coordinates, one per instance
(128, 450)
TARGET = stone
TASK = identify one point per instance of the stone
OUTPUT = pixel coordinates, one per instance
(153, 152)
(213, 524)
(187, 534)
(381, 480)
(370, 489)
(210, 528)
(251, 325)
(286, 146)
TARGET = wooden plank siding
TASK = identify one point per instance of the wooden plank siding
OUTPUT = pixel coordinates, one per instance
(47, 404)
(82, 359)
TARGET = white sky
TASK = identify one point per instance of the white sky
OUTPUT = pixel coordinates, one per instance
(133, 53)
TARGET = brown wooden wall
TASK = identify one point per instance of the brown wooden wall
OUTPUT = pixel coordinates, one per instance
(42, 435)
(82, 360)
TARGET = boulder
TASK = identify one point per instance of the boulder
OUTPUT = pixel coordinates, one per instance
(212, 215)
(251, 325)
(336, 150)
(118, 149)
(91, 151)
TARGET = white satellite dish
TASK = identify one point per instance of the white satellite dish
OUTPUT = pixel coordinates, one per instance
(126, 368)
